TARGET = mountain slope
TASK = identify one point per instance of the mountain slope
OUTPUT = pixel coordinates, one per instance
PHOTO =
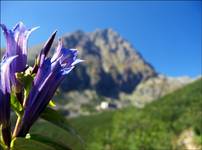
(163, 124)
(154, 88)
(112, 65)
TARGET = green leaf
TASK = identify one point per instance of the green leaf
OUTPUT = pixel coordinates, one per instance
(26, 78)
(2, 146)
(27, 144)
(55, 118)
(15, 104)
(49, 141)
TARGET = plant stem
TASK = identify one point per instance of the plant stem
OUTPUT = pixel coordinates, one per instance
(17, 126)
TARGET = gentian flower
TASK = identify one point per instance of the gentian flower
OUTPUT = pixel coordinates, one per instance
(16, 44)
(5, 90)
(44, 52)
(50, 73)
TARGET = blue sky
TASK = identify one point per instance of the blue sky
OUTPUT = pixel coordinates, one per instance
(167, 34)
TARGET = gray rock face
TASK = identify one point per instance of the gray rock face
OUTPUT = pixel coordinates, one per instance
(112, 65)
(154, 88)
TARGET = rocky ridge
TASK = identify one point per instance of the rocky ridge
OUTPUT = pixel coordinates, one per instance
(113, 71)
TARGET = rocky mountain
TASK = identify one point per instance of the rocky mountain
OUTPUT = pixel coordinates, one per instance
(111, 64)
(154, 88)
(113, 71)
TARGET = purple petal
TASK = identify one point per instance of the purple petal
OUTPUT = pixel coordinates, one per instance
(5, 74)
(48, 77)
(16, 44)
(5, 90)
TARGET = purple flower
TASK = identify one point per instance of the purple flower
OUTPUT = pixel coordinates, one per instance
(5, 90)
(44, 52)
(48, 77)
(16, 44)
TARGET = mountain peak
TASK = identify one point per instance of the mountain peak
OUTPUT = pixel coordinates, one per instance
(107, 34)
(112, 64)
(106, 31)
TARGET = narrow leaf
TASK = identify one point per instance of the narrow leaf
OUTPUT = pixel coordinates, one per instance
(27, 144)
(2, 146)
(55, 118)
(46, 140)
(15, 104)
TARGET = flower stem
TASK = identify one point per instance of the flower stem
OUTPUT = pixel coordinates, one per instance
(17, 126)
